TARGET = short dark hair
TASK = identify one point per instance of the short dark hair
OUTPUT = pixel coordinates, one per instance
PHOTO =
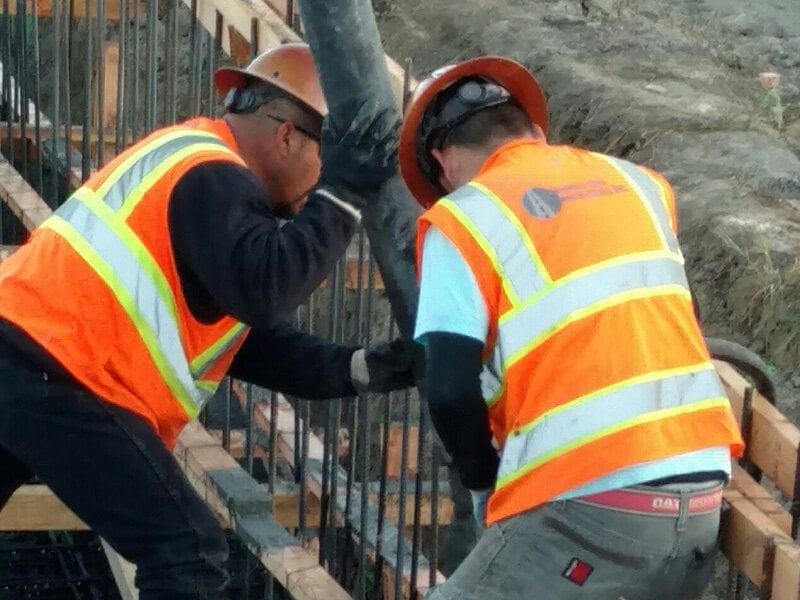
(490, 125)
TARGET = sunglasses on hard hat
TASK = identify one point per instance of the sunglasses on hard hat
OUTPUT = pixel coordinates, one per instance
(452, 107)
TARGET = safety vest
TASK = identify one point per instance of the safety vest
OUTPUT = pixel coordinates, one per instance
(97, 286)
(594, 360)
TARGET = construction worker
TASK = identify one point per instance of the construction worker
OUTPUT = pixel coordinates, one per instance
(168, 269)
(566, 373)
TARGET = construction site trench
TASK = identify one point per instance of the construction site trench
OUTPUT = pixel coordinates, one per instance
(674, 85)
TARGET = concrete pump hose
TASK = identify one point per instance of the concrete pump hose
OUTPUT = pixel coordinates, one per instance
(746, 361)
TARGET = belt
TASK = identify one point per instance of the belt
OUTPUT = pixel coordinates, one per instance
(656, 502)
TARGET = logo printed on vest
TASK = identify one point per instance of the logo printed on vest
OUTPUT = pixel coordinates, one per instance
(541, 203)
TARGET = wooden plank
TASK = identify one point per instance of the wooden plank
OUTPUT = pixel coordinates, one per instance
(761, 498)
(743, 540)
(297, 569)
(124, 573)
(20, 197)
(395, 459)
(774, 439)
(110, 84)
(36, 508)
(239, 14)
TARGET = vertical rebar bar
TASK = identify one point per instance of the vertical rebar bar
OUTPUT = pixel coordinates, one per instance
(101, 82)
(434, 554)
(194, 56)
(401, 504)
(86, 165)
(248, 431)
(170, 115)
(216, 51)
(338, 291)
(415, 539)
(37, 98)
(7, 91)
(68, 31)
(22, 82)
(152, 56)
(134, 108)
(272, 470)
(254, 49)
(122, 49)
(56, 90)
(226, 429)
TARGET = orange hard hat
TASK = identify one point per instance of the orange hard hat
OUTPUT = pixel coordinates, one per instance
(514, 79)
(289, 67)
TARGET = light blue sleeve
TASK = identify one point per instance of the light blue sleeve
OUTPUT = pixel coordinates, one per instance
(450, 300)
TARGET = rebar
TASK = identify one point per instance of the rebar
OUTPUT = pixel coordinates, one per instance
(401, 516)
(22, 84)
(152, 50)
(86, 165)
(56, 87)
(137, 25)
(37, 98)
(170, 101)
(7, 91)
(101, 81)
(194, 59)
(68, 31)
(214, 50)
(122, 48)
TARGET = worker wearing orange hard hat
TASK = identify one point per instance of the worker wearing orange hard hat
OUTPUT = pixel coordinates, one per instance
(168, 269)
(566, 373)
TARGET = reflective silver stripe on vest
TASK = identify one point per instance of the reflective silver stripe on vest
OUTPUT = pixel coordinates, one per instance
(525, 328)
(519, 267)
(138, 285)
(653, 197)
(124, 182)
(492, 378)
(580, 422)
(201, 367)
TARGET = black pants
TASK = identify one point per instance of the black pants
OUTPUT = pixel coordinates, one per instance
(110, 468)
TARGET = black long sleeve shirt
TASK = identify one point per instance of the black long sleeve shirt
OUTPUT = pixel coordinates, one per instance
(234, 257)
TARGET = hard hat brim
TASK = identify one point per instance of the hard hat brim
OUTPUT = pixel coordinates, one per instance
(513, 76)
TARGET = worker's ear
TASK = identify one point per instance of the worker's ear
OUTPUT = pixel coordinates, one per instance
(286, 140)
(448, 164)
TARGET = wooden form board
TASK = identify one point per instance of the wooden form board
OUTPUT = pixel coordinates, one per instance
(20, 197)
(204, 461)
(35, 508)
(286, 449)
(774, 440)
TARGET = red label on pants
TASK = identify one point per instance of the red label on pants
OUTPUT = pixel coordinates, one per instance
(578, 571)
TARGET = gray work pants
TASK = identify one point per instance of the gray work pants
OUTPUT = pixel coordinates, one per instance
(567, 550)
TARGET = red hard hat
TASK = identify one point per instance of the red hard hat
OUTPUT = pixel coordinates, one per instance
(289, 67)
(520, 84)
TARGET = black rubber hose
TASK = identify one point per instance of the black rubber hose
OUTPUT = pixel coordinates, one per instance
(746, 361)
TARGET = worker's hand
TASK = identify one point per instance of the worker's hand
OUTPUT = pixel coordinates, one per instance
(357, 162)
(479, 500)
(383, 368)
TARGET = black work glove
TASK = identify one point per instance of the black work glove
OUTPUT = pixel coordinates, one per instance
(383, 368)
(357, 159)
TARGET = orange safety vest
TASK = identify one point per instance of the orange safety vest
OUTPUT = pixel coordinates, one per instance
(97, 285)
(594, 360)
